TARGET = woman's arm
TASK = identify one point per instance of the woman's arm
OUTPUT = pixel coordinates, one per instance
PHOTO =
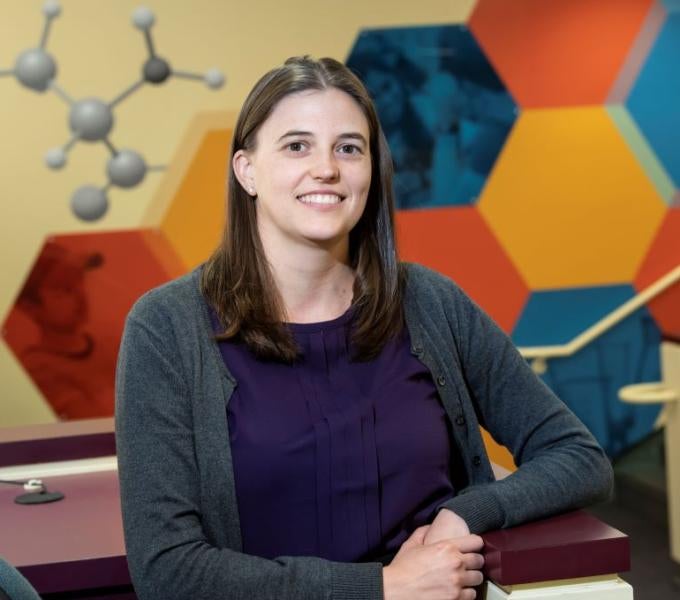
(168, 553)
(561, 466)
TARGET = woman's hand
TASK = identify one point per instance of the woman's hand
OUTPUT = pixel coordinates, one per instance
(446, 526)
(445, 570)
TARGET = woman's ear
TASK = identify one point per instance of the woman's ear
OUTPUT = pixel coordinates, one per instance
(243, 169)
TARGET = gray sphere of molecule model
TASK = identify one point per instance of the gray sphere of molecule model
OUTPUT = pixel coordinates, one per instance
(214, 79)
(35, 69)
(91, 119)
(143, 18)
(156, 70)
(89, 203)
(126, 169)
(51, 9)
(55, 158)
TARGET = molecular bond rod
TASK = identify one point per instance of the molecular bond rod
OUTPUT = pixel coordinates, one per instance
(59, 91)
(68, 145)
(6, 72)
(110, 146)
(149, 42)
(46, 30)
(126, 92)
(188, 75)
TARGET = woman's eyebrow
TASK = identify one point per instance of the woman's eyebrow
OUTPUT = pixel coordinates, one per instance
(295, 133)
(352, 136)
(343, 136)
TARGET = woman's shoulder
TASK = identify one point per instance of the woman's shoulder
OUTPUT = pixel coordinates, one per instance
(426, 283)
(173, 300)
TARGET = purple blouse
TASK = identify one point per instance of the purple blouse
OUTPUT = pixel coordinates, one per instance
(333, 458)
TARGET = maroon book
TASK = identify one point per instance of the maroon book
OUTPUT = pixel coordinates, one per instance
(567, 546)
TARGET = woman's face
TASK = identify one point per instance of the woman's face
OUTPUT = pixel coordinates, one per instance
(310, 171)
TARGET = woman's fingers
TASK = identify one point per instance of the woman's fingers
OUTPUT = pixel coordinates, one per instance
(473, 561)
(468, 594)
(472, 578)
(469, 543)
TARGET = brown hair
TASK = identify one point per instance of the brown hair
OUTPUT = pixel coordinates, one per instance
(237, 280)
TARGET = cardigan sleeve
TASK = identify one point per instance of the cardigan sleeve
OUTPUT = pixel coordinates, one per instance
(561, 465)
(168, 552)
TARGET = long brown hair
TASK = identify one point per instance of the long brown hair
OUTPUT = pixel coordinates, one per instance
(237, 280)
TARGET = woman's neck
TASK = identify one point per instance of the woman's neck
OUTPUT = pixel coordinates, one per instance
(316, 284)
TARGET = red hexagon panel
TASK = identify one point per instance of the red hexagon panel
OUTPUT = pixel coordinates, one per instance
(663, 255)
(458, 243)
(558, 53)
(65, 325)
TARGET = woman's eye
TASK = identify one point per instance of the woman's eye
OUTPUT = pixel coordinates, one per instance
(296, 146)
(350, 149)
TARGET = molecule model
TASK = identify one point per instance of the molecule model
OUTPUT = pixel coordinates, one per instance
(91, 119)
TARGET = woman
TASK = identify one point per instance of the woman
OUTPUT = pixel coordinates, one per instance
(303, 407)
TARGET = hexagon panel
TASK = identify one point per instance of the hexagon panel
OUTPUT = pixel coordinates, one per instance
(445, 112)
(190, 205)
(578, 309)
(589, 381)
(65, 325)
(569, 202)
(662, 257)
(643, 152)
(554, 53)
(655, 97)
(638, 53)
(458, 243)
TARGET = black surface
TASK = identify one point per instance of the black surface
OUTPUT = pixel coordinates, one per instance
(654, 576)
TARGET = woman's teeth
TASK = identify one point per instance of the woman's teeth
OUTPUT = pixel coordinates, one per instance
(320, 199)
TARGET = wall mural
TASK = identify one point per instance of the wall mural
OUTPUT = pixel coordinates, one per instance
(527, 170)
(556, 187)
(65, 326)
(444, 110)
(91, 119)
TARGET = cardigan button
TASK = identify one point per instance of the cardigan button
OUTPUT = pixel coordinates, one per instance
(460, 420)
(476, 460)
(441, 380)
(417, 349)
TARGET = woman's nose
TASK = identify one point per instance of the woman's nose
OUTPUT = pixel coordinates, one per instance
(325, 167)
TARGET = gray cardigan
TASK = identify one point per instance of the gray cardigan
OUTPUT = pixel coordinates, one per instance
(180, 515)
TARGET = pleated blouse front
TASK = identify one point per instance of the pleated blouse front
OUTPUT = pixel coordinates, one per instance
(335, 458)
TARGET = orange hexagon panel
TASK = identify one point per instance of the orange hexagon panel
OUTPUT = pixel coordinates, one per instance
(558, 53)
(569, 202)
(662, 257)
(458, 243)
(190, 204)
(65, 325)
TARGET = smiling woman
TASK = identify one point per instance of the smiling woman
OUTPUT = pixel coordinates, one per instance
(310, 171)
(299, 417)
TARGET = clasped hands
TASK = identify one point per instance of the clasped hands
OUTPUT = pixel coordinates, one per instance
(440, 561)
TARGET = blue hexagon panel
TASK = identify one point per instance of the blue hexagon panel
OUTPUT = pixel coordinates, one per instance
(589, 380)
(445, 112)
(655, 97)
(578, 309)
(671, 5)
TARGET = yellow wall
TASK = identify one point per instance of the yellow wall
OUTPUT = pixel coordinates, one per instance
(99, 53)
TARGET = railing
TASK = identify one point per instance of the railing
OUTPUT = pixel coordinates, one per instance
(668, 393)
(540, 354)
